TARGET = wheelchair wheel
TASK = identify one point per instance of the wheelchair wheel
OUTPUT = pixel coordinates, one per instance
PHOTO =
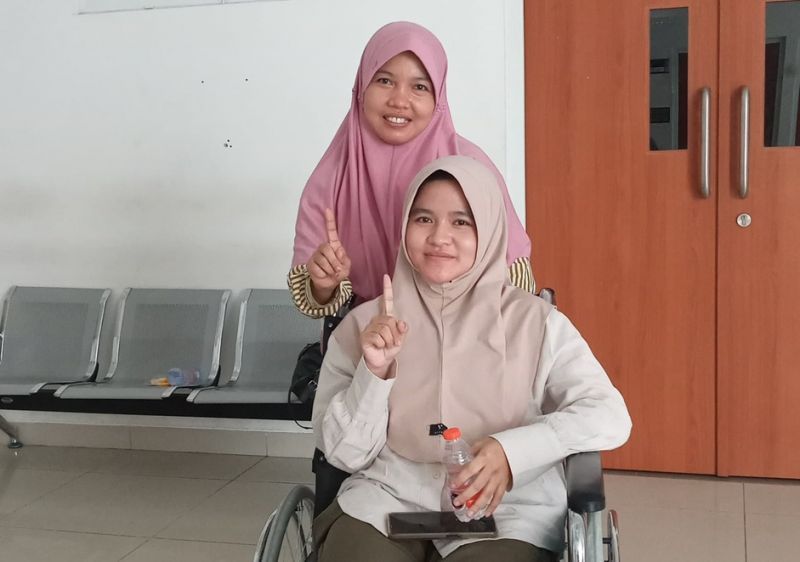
(576, 538)
(286, 536)
(613, 536)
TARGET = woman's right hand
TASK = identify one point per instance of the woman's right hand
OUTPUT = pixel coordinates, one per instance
(382, 339)
(329, 265)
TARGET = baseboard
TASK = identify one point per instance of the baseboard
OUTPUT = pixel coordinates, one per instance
(279, 438)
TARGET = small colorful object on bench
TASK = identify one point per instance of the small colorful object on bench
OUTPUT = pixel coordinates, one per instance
(183, 377)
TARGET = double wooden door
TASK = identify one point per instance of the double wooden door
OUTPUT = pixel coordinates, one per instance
(663, 200)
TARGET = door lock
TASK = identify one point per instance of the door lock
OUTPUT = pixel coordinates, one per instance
(744, 220)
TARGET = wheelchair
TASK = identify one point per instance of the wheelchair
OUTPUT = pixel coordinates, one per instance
(287, 535)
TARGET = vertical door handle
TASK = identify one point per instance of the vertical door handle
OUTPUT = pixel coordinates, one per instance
(744, 139)
(705, 147)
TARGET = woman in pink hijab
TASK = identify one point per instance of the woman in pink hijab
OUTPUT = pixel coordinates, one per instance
(348, 224)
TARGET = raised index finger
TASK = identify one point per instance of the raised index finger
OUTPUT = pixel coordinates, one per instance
(388, 296)
(330, 227)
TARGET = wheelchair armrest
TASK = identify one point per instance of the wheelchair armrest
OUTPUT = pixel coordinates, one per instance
(328, 479)
(585, 493)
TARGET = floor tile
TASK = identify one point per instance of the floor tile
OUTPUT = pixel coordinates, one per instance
(32, 545)
(20, 487)
(674, 492)
(667, 535)
(71, 459)
(234, 514)
(65, 503)
(280, 469)
(772, 538)
(162, 550)
(780, 497)
(114, 504)
(178, 465)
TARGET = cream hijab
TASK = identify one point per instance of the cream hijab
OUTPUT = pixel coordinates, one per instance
(473, 344)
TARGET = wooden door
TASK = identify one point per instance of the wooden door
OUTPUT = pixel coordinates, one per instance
(759, 266)
(620, 231)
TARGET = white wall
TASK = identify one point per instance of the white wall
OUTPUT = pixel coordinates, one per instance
(113, 169)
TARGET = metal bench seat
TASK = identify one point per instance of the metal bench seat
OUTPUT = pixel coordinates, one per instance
(49, 335)
(271, 333)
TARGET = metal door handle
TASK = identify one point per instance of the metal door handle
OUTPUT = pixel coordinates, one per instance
(744, 139)
(705, 147)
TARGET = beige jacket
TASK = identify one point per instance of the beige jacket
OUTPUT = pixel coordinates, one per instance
(573, 408)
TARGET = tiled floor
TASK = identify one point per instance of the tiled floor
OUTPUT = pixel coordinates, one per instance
(103, 505)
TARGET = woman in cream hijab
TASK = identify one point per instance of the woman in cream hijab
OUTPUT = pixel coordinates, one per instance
(452, 341)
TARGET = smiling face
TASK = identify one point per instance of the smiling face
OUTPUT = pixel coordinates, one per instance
(399, 101)
(441, 238)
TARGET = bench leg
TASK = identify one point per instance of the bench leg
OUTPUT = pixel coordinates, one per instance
(6, 427)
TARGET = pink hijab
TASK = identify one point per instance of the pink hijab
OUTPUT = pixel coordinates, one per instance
(364, 180)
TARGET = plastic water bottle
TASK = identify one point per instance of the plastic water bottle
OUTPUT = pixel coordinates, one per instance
(457, 454)
(183, 377)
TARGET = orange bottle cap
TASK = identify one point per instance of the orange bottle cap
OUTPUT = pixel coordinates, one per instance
(451, 434)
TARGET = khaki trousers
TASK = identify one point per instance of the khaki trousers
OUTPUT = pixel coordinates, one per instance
(341, 538)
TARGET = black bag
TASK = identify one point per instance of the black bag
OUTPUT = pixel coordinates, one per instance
(306, 373)
(309, 362)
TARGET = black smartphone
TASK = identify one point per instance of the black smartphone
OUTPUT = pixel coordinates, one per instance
(438, 525)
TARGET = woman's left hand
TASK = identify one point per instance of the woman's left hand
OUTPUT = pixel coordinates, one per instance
(492, 477)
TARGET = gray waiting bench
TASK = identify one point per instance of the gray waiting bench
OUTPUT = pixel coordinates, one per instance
(155, 330)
